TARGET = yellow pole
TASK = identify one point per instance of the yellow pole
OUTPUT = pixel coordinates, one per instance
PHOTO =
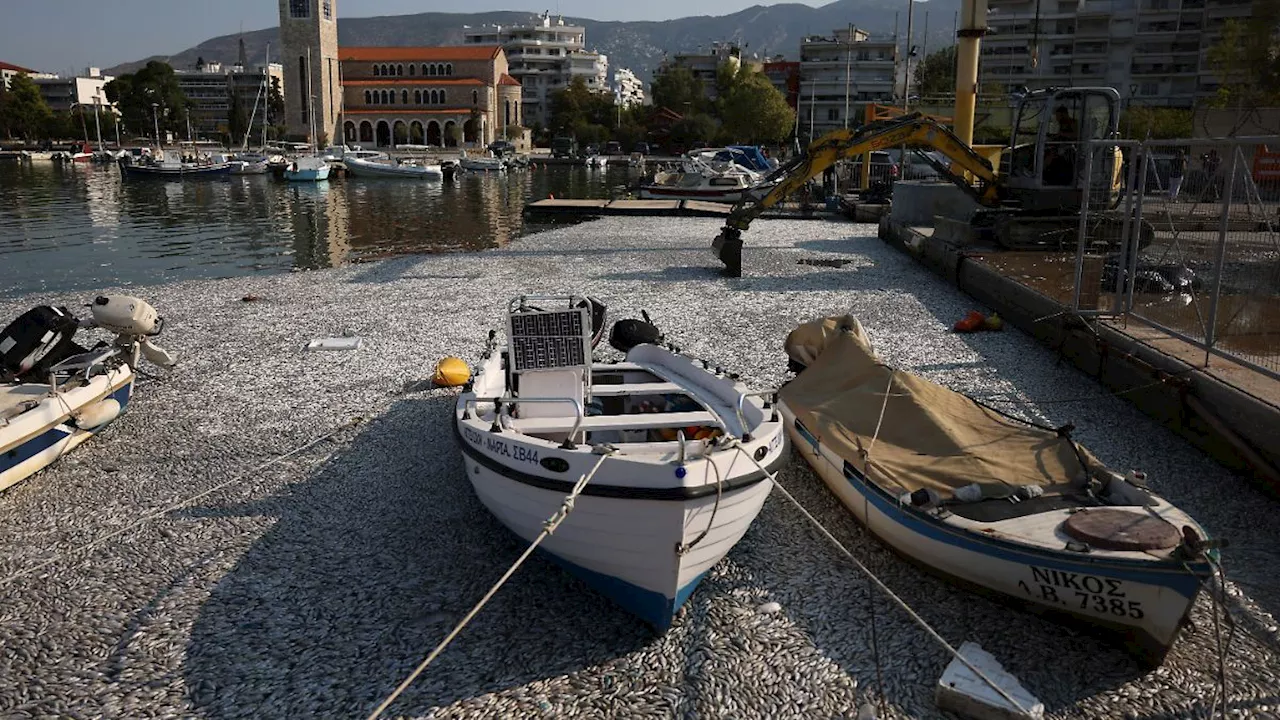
(973, 25)
(865, 180)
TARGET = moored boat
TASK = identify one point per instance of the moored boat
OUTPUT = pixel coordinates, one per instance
(171, 167)
(55, 394)
(1001, 505)
(361, 167)
(695, 186)
(480, 164)
(310, 168)
(668, 445)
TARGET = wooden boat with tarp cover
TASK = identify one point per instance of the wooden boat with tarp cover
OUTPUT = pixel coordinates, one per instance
(995, 502)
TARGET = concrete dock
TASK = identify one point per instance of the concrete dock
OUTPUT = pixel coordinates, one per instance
(311, 587)
(554, 208)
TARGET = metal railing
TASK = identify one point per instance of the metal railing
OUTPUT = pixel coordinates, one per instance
(1194, 245)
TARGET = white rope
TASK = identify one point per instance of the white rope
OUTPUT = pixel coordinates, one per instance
(151, 516)
(885, 588)
(548, 526)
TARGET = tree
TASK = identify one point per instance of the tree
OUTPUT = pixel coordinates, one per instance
(514, 132)
(676, 88)
(25, 111)
(752, 110)
(936, 74)
(237, 119)
(1161, 123)
(134, 94)
(1246, 62)
(4, 99)
(275, 101)
(694, 129)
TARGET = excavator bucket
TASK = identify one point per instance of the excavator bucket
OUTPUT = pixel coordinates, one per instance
(728, 247)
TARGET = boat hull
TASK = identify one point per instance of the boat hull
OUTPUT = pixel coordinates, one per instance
(362, 168)
(37, 438)
(175, 173)
(309, 175)
(623, 548)
(658, 192)
(1144, 604)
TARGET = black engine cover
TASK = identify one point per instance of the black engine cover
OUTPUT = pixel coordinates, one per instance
(627, 334)
(38, 339)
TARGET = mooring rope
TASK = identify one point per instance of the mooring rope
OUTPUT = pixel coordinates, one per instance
(175, 506)
(548, 527)
(924, 624)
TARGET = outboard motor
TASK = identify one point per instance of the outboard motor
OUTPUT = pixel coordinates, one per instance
(133, 321)
(40, 338)
(629, 333)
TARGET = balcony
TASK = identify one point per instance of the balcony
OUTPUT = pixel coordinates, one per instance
(1162, 70)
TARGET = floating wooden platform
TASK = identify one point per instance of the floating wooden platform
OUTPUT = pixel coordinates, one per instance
(583, 209)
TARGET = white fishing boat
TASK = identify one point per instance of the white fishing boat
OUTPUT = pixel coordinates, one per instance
(696, 186)
(598, 162)
(361, 167)
(249, 167)
(310, 168)
(1001, 505)
(55, 394)
(480, 164)
(678, 487)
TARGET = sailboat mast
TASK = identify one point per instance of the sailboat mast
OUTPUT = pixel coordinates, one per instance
(266, 82)
(311, 106)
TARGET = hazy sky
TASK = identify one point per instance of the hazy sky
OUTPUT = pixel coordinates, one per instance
(67, 35)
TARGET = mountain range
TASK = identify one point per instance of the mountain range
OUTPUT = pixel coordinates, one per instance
(763, 31)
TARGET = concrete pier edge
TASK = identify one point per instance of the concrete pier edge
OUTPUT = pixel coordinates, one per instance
(1235, 428)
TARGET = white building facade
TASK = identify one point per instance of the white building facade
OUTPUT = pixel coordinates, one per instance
(628, 91)
(83, 91)
(1153, 52)
(545, 57)
(839, 75)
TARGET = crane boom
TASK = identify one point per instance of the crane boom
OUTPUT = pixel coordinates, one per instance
(913, 130)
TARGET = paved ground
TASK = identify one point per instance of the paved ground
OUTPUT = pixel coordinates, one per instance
(310, 588)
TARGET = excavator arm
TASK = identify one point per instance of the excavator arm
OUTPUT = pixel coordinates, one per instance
(913, 130)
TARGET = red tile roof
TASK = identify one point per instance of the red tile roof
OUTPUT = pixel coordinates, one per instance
(407, 81)
(387, 54)
(15, 68)
(508, 80)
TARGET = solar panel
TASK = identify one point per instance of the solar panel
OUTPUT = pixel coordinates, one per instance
(542, 340)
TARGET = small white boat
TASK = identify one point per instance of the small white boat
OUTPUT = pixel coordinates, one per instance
(996, 503)
(598, 162)
(480, 164)
(310, 168)
(248, 167)
(696, 186)
(361, 167)
(54, 394)
(676, 491)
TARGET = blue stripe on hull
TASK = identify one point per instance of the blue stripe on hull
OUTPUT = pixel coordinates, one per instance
(1171, 575)
(52, 436)
(652, 607)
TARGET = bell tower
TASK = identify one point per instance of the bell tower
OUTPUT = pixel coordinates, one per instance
(309, 53)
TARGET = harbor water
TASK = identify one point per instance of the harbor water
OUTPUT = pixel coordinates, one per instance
(65, 228)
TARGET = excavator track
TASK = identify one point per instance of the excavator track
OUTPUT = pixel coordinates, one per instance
(1017, 230)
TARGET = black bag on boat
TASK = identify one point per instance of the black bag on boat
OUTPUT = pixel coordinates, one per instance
(40, 338)
(627, 334)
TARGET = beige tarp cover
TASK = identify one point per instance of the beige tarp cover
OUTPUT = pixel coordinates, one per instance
(930, 436)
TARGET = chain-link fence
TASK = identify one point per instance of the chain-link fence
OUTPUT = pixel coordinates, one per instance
(1204, 219)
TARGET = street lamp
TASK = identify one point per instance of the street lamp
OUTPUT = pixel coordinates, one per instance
(155, 117)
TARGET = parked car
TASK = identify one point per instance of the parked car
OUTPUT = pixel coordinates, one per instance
(564, 147)
(917, 166)
(883, 168)
(502, 147)
(613, 147)
(641, 147)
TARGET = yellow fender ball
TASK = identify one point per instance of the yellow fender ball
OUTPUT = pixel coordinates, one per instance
(451, 372)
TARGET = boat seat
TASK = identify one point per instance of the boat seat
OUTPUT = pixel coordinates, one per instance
(637, 421)
(650, 388)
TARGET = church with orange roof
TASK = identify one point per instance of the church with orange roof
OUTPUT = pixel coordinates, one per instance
(445, 96)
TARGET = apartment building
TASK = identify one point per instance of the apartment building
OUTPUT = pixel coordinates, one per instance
(62, 94)
(1153, 52)
(212, 87)
(843, 72)
(628, 90)
(545, 57)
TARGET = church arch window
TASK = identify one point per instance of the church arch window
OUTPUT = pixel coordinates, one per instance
(368, 100)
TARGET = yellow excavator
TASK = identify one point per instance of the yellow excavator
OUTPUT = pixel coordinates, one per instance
(1033, 203)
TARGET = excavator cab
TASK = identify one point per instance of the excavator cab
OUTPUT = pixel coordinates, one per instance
(1046, 160)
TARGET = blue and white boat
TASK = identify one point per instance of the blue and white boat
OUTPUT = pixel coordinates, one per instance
(310, 168)
(674, 494)
(54, 394)
(996, 503)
